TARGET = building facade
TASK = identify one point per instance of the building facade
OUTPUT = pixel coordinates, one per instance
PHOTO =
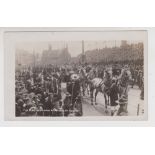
(124, 52)
(55, 56)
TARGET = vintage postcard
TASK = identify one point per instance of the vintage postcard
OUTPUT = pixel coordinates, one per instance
(75, 74)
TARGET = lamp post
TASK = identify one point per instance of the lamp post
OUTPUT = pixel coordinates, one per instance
(83, 54)
(34, 59)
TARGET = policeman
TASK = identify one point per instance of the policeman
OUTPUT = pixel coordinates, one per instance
(114, 92)
(74, 88)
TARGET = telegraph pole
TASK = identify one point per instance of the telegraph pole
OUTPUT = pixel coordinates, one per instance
(34, 59)
(83, 54)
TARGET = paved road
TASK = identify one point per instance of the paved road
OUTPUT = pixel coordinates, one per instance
(93, 110)
(99, 109)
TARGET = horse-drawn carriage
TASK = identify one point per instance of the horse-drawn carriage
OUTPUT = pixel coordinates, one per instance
(72, 107)
(72, 100)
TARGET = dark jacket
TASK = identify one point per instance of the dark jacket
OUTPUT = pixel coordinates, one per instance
(114, 94)
(73, 88)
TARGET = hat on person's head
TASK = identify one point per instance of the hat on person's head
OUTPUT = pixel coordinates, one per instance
(74, 77)
(126, 67)
(71, 72)
(39, 95)
(46, 78)
(20, 93)
(68, 94)
(113, 80)
(20, 101)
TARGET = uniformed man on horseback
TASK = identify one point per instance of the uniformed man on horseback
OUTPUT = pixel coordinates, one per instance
(116, 70)
(123, 83)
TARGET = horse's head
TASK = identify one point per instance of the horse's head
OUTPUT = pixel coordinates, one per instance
(125, 77)
(126, 73)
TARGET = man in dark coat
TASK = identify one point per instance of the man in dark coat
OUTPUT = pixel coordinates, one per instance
(74, 87)
(53, 87)
(114, 93)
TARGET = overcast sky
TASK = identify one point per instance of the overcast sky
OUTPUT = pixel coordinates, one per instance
(40, 41)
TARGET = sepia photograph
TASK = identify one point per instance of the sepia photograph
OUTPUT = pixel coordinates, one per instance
(77, 74)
